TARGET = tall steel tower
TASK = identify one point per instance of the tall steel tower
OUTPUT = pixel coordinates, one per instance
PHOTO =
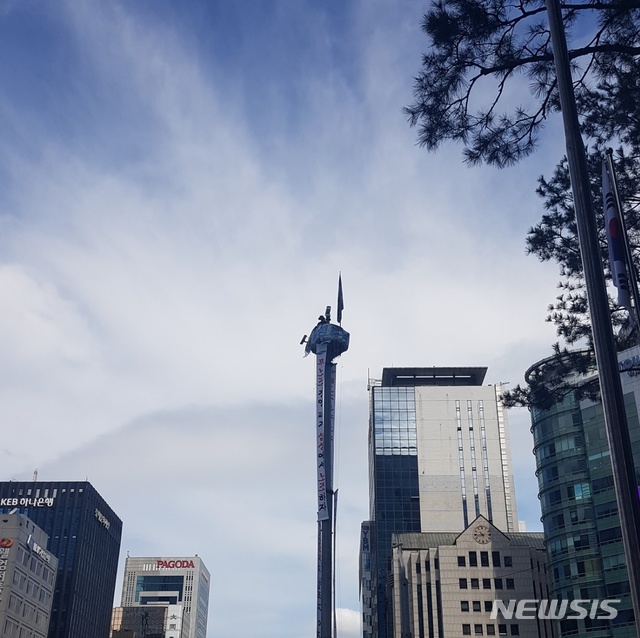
(327, 341)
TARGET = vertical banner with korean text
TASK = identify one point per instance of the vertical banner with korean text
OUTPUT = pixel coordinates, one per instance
(321, 358)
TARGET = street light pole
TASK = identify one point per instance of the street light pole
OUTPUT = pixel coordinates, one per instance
(615, 418)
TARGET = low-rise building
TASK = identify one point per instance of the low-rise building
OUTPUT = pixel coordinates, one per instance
(446, 584)
(27, 578)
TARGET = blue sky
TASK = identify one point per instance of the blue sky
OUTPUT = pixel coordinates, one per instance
(180, 184)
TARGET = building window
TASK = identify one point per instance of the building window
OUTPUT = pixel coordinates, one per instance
(11, 628)
(578, 491)
(462, 561)
(484, 559)
(477, 630)
(488, 606)
(582, 541)
(515, 630)
(502, 630)
(496, 558)
(491, 630)
(498, 583)
(466, 630)
(475, 583)
(477, 606)
(571, 626)
(14, 603)
(555, 497)
(486, 583)
(508, 561)
(510, 583)
(464, 605)
(473, 559)
(463, 583)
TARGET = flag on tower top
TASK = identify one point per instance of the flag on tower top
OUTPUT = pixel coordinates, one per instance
(340, 300)
(616, 241)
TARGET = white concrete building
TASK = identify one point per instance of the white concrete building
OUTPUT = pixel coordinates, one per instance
(179, 583)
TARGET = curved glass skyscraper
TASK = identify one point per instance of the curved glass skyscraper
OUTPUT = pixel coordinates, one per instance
(579, 510)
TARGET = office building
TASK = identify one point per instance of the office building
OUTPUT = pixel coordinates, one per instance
(164, 581)
(27, 577)
(84, 535)
(439, 457)
(445, 584)
(579, 509)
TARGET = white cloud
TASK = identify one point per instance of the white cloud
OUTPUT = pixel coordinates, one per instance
(167, 256)
(348, 622)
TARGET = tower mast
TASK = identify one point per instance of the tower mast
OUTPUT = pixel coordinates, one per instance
(327, 341)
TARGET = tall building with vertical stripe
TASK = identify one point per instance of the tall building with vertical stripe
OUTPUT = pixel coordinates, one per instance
(439, 457)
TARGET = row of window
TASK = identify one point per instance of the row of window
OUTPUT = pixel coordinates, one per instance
(45, 492)
(576, 569)
(479, 630)
(29, 612)
(498, 583)
(13, 630)
(484, 560)
(560, 423)
(23, 583)
(507, 561)
(576, 516)
(476, 605)
(565, 545)
(34, 563)
(575, 492)
(570, 442)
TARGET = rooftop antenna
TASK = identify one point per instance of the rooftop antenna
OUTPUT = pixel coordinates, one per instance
(327, 341)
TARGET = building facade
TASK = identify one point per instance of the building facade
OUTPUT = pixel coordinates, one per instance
(579, 509)
(445, 585)
(366, 579)
(27, 578)
(150, 621)
(164, 581)
(439, 457)
(84, 535)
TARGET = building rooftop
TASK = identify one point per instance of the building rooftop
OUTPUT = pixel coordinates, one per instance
(427, 540)
(411, 377)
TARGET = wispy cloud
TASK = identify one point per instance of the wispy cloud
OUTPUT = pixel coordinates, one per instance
(172, 224)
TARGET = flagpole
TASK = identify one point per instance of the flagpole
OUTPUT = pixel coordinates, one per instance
(631, 269)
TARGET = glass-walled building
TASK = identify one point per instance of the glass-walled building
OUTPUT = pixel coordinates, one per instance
(579, 511)
(439, 457)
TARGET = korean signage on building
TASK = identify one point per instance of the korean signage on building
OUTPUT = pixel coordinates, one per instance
(102, 518)
(27, 501)
(5, 546)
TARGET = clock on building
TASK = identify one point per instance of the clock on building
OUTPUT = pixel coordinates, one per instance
(482, 534)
